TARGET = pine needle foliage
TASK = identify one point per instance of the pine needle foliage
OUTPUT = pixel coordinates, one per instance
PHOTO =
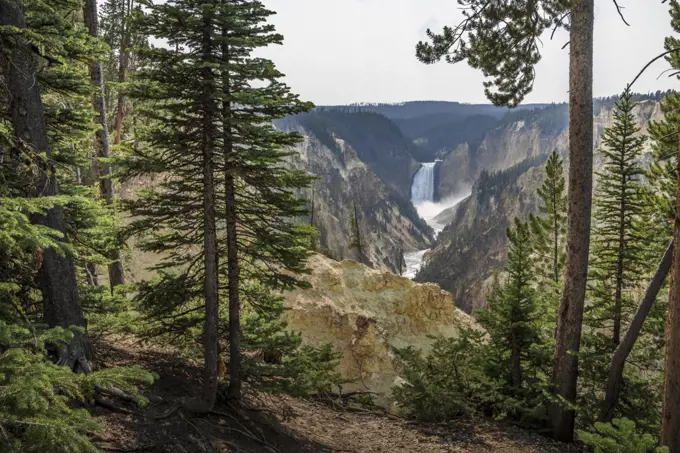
(513, 318)
(502, 39)
(618, 269)
(617, 262)
(618, 436)
(549, 227)
(503, 372)
(260, 245)
(37, 413)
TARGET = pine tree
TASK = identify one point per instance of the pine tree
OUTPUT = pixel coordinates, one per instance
(501, 39)
(512, 319)
(103, 168)
(46, 217)
(617, 262)
(667, 140)
(550, 226)
(356, 242)
(46, 117)
(260, 195)
(255, 196)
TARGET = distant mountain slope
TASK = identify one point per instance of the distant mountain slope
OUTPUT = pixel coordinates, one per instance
(472, 248)
(388, 221)
(376, 139)
(415, 109)
(437, 127)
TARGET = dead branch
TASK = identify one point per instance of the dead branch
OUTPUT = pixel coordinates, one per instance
(111, 406)
(116, 393)
(619, 10)
(650, 63)
(168, 413)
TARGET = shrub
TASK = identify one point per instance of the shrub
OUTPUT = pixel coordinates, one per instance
(619, 436)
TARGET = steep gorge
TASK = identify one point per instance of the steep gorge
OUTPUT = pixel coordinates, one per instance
(332, 152)
(472, 248)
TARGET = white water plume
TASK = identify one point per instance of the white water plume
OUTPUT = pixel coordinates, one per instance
(422, 197)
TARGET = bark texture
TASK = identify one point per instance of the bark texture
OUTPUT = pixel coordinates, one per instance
(123, 61)
(61, 301)
(670, 416)
(104, 171)
(613, 386)
(570, 315)
(233, 266)
(211, 339)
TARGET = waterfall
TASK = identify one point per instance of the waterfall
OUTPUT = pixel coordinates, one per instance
(422, 197)
(422, 190)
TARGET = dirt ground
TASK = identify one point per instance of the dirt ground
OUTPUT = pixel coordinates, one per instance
(278, 425)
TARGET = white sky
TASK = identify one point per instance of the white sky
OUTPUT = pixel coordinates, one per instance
(343, 51)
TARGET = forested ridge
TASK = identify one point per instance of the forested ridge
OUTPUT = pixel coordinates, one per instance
(579, 339)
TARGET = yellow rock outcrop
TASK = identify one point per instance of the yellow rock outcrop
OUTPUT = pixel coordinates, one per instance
(365, 313)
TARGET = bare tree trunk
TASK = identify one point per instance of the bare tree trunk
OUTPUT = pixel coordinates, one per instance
(621, 353)
(210, 249)
(123, 60)
(61, 301)
(570, 315)
(618, 294)
(234, 271)
(116, 274)
(670, 416)
(233, 267)
(516, 361)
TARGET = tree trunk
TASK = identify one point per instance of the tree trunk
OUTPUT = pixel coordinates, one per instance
(618, 293)
(556, 244)
(516, 361)
(621, 353)
(234, 297)
(61, 301)
(123, 60)
(233, 267)
(116, 274)
(210, 249)
(570, 315)
(670, 416)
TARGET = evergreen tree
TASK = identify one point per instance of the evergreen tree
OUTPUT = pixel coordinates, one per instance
(617, 261)
(618, 264)
(501, 39)
(260, 195)
(45, 116)
(550, 227)
(666, 139)
(513, 320)
(356, 242)
(255, 196)
(102, 168)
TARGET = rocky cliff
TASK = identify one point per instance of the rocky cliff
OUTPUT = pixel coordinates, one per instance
(366, 313)
(387, 220)
(473, 245)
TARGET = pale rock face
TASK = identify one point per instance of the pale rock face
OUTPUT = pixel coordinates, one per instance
(364, 314)
(473, 246)
(343, 181)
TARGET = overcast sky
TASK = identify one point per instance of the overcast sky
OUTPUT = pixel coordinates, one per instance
(344, 51)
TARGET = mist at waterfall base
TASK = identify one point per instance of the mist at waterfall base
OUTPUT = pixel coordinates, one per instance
(422, 196)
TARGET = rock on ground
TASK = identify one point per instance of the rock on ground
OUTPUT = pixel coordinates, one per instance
(366, 313)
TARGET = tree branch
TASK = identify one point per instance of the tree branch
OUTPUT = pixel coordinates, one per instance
(618, 9)
(677, 49)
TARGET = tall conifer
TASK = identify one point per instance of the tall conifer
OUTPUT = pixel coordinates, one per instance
(617, 260)
(550, 226)
(232, 111)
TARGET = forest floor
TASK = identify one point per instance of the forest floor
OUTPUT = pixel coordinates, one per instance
(277, 424)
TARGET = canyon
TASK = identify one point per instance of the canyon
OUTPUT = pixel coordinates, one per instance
(416, 173)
